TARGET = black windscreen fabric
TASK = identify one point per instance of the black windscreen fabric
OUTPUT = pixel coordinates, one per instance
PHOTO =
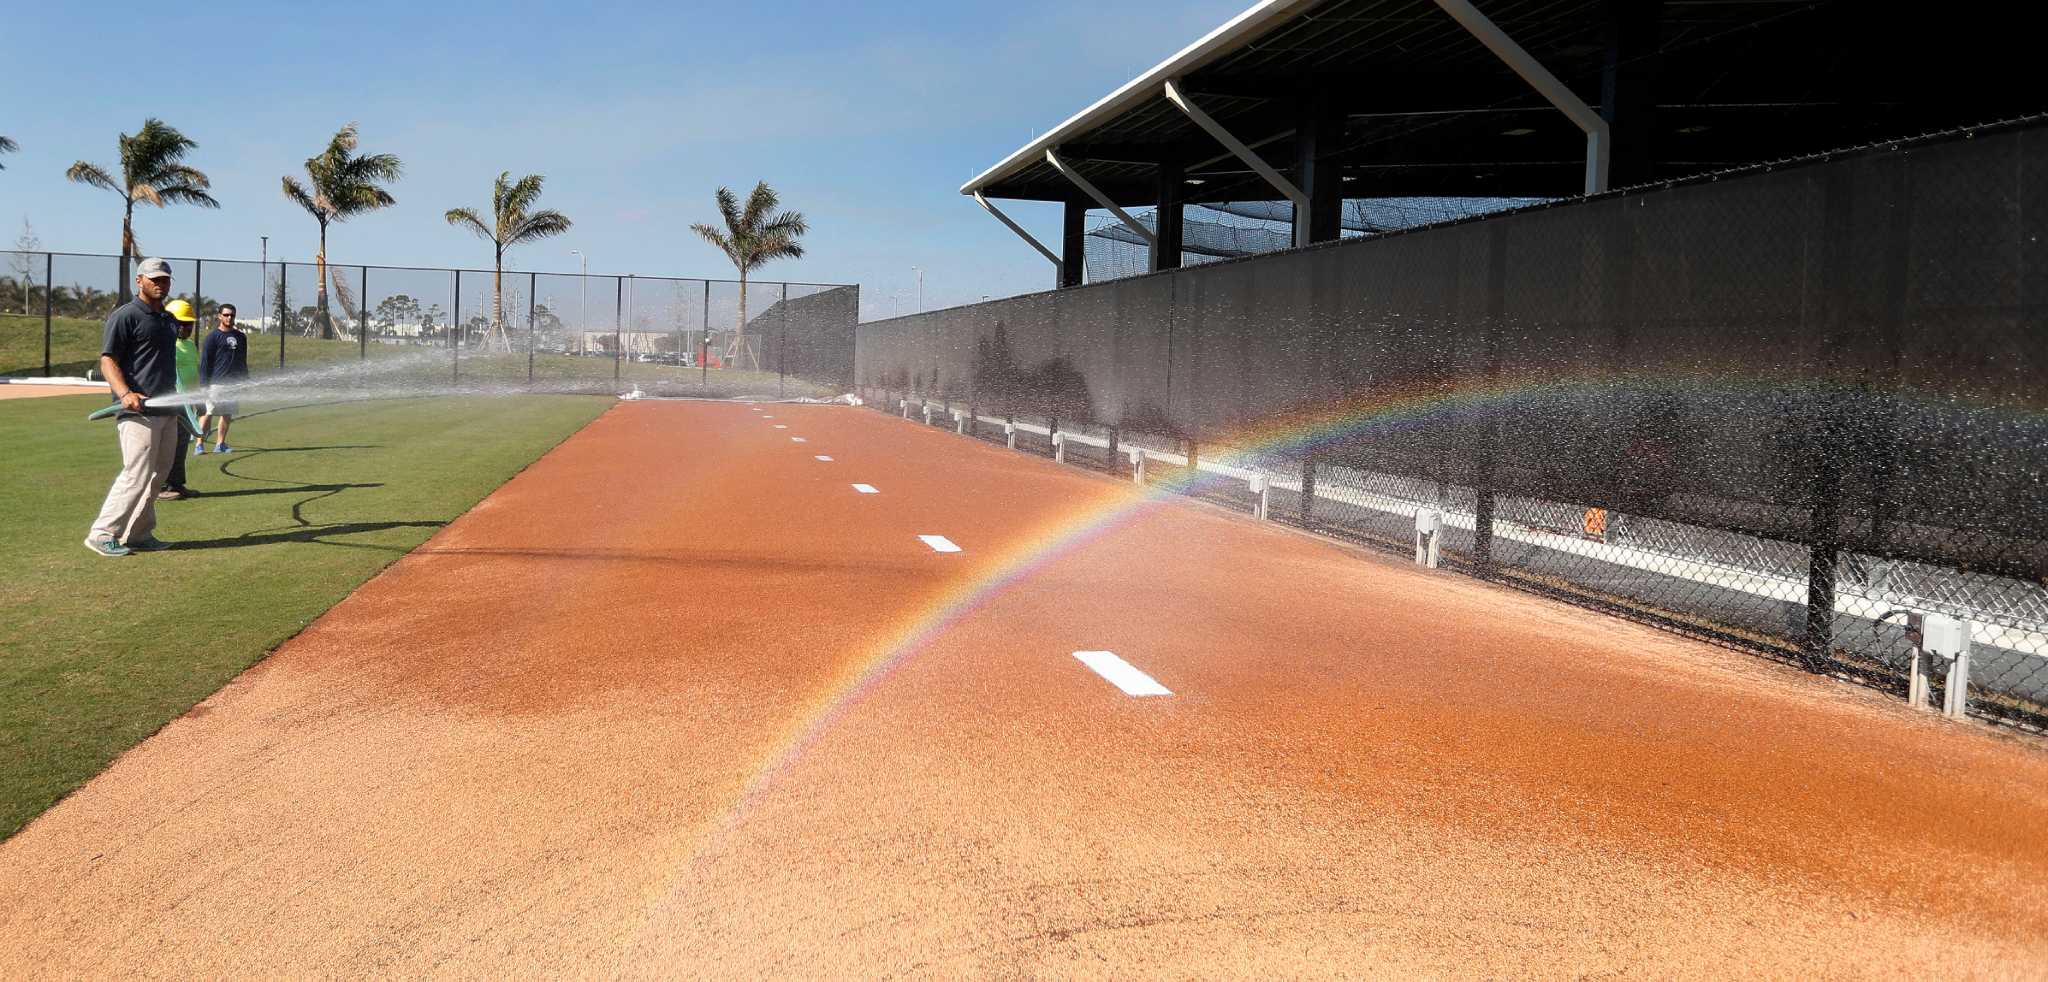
(1850, 353)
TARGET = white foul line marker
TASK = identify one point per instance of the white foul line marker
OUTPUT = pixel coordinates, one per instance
(870, 489)
(939, 543)
(798, 439)
(1122, 674)
(825, 457)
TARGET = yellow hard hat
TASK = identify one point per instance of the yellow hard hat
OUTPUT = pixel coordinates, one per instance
(181, 310)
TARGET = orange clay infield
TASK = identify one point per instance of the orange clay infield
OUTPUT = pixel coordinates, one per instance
(645, 712)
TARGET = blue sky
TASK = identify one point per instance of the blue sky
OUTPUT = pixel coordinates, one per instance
(867, 118)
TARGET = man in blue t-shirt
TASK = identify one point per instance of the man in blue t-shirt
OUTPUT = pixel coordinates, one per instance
(137, 355)
(223, 360)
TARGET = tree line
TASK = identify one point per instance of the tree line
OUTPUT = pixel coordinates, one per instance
(341, 183)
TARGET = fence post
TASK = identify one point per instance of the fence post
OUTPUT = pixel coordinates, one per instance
(1489, 432)
(283, 301)
(49, 267)
(782, 344)
(1114, 435)
(618, 338)
(363, 299)
(455, 330)
(1261, 503)
(1308, 487)
(532, 285)
(704, 346)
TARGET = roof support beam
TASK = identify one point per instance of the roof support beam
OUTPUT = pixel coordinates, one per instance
(1052, 157)
(1014, 227)
(1240, 151)
(1599, 142)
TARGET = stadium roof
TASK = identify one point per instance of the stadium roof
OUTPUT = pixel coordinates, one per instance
(1420, 106)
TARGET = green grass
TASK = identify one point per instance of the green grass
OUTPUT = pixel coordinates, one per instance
(97, 654)
(75, 345)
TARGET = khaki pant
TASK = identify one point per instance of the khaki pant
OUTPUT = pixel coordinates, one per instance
(147, 444)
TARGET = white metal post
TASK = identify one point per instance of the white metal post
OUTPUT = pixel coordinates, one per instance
(1010, 435)
(1429, 525)
(1260, 504)
(1243, 153)
(1014, 227)
(1598, 136)
(1094, 192)
(1059, 447)
(1137, 466)
(1949, 638)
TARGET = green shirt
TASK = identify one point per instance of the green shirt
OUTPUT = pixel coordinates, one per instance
(187, 356)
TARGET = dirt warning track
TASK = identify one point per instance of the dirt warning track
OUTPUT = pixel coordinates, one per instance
(682, 699)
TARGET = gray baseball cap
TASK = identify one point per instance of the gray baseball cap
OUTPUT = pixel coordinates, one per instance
(152, 268)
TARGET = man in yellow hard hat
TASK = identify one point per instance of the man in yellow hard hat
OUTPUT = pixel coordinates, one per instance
(186, 353)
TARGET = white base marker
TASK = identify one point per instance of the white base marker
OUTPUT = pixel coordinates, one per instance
(769, 416)
(798, 439)
(1122, 674)
(939, 543)
(781, 426)
(870, 489)
(827, 458)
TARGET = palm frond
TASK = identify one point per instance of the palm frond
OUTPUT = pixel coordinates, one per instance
(85, 173)
(469, 219)
(296, 193)
(716, 238)
(539, 225)
(7, 146)
(729, 209)
(760, 203)
(788, 225)
(376, 167)
(180, 194)
(520, 196)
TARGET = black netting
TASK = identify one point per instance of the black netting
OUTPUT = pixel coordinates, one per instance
(1769, 408)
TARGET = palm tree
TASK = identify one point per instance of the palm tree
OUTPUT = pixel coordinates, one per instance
(7, 145)
(512, 225)
(343, 185)
(752, 238)
(152, 172)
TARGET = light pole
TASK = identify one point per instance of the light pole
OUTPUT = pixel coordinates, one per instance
(582, 300)
(919, 270)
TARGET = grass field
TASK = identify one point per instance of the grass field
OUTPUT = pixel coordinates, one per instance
(75, 342)
(96, 654)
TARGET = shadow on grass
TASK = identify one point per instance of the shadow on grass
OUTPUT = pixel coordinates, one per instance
(301, 529)
(309, 533)
(245, 492)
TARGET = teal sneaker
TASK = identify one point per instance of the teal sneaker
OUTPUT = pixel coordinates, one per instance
(148, 543)
(106, 547)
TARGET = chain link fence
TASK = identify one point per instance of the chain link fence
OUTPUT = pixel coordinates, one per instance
(389, 325)
(1796, 410)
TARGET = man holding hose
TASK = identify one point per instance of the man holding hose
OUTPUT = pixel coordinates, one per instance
(137, 357)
